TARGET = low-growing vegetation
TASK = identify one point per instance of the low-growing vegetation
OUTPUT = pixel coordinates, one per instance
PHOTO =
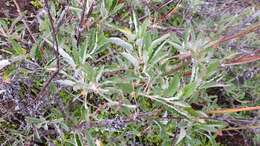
(129, 72)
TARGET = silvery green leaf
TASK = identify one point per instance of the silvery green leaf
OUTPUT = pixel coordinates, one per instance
(156, 52)
(145, 56)
(139, 42)
(158, 59)
(78, 140)
(103, 10)
(4, 63)
(159, 40)
(67, 57)
(64, 54)
(121, 43)
(99, 74)
(165, 120)
(174, 85)
(90, 139)
(135, 22)
(66, 82)
(180, 103)
(181, 136)
(131, 58)
(175, 45)
(130, 106)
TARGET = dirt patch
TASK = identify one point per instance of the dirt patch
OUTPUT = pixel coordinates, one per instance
(235, 138)
(8, 8)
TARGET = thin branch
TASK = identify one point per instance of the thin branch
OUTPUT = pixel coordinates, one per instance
(56, 50)
(242, 59)
(121, 122)
(242, 33)
(154, 9)
(216, 43)
(165, 4)
(171, 12)
(242, 127)
(233, 110)
(54, 34)
(80, 27)
(60, 21)
(24, 22)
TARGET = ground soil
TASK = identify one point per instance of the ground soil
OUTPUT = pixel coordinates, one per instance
(8, 8)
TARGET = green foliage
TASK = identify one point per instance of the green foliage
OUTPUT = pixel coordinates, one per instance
(130, 81)
(37, 4)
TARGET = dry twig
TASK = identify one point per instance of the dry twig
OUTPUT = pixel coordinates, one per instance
(56, 50)
(80, 27)
(233, 110)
